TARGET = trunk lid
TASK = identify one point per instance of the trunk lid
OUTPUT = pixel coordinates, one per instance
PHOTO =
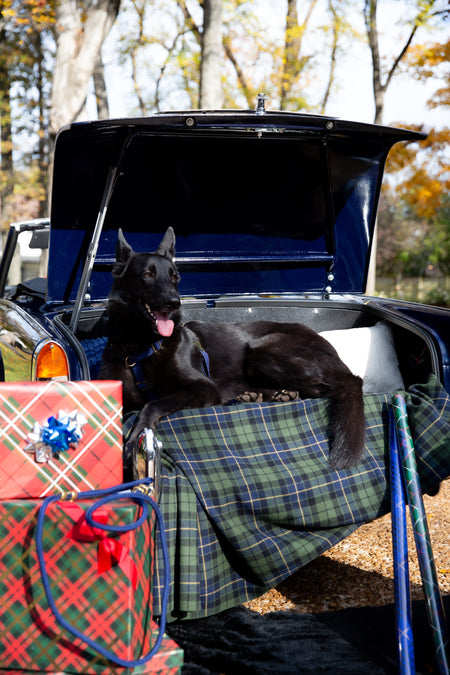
(271, 203)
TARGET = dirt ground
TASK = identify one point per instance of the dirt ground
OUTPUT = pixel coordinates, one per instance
(359, 570)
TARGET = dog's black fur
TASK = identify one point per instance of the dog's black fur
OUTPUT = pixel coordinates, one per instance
(261, 356)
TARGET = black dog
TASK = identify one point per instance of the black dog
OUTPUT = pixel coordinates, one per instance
(162, 362)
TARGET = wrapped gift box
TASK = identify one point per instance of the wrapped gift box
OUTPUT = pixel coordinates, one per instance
(167, 661)
(100, 581)
(92, 460)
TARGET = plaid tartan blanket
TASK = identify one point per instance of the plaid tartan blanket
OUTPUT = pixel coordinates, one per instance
(248, 496)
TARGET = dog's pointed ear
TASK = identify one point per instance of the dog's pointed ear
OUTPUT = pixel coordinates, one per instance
(123, 254)
(167, 246)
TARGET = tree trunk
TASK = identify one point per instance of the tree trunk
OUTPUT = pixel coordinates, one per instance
(78, 47)
(211, 92)
(6, 155)
(191, 25)
(43, 135)
(101, 95)
(335, 22)
(292, 45)
(370, 19)
(424, 12)
(293, 62)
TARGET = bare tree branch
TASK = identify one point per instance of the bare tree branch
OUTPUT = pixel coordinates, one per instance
(101, 94)
(162, 70)
(190, 23)
(334, 47)
(370, 18)
(246, 89)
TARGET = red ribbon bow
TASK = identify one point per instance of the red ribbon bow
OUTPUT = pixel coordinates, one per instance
(109, 550)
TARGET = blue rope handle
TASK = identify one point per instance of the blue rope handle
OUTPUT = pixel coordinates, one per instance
(109, 495)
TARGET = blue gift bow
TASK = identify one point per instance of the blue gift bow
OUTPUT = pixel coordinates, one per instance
(59, 435)
(56, 435)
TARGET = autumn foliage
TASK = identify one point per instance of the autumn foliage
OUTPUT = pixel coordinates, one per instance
(414, 221)
(159, 44)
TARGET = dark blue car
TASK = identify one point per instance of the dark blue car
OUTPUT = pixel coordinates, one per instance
(274, 215)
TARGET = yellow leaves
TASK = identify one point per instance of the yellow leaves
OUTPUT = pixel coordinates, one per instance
(423, 193)
(28, 15)
(295, 32)
(431, 54)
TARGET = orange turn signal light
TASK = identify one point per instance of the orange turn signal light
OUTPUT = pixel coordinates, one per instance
(51, 362)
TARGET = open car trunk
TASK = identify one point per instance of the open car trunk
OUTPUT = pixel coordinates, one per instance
(273, 213)
(393, 355)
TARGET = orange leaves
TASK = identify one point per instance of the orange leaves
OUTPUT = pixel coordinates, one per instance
(426, 198)
(419, 173)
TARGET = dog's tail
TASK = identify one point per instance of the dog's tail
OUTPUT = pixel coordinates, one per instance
(347, 422)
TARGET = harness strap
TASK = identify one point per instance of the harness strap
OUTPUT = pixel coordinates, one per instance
(135, 363)
(205, 358)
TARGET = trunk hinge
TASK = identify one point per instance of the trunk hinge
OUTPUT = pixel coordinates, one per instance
(330, 279)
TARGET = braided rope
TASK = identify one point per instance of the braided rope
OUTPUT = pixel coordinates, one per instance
(126, 491)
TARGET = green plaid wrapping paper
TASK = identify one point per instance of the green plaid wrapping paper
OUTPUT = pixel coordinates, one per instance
(248, 496)
(168, 660)
(104, 606)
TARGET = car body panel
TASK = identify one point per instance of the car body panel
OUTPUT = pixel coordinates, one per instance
(20, 335)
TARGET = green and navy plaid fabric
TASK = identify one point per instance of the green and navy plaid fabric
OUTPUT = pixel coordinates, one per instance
(248, 496)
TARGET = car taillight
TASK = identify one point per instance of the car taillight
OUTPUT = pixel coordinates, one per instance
(51, 363)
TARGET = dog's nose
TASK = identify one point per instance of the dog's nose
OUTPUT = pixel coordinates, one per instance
(173, 303)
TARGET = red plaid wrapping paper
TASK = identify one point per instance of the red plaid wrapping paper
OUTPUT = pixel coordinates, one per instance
(97, 460)
(104, 606)
(167, 661)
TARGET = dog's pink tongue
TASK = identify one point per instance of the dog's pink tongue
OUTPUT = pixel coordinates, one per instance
(164, 325)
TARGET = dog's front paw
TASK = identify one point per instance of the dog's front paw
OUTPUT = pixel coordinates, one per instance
(250, 397)
(285, 395)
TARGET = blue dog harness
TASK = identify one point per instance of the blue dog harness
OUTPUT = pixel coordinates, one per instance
(135, 363)
(205, 359)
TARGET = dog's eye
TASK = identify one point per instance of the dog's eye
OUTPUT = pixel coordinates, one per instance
(148, 274)
(173, 274)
